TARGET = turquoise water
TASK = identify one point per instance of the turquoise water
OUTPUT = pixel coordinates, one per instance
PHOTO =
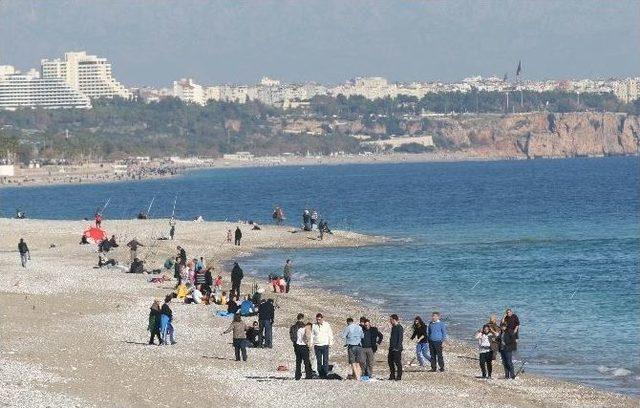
(556, 240)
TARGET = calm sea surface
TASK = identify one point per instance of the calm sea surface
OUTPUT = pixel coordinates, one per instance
(556, 240)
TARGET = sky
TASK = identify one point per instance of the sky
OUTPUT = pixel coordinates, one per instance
(153, 42)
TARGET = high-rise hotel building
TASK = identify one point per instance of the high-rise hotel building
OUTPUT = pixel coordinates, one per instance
(88, 74)
(29, 90)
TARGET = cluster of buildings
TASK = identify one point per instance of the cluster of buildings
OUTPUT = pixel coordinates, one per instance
(74, 81)
(60, 83)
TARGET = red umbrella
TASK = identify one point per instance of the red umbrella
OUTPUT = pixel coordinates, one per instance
(96, 234)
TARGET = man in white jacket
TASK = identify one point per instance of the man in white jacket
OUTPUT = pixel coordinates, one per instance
(322, 338)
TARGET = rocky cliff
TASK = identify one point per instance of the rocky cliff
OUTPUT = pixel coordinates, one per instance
(539, 134)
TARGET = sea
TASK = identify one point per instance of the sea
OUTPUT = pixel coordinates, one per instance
(558, 241)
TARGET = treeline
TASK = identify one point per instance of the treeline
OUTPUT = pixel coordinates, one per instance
(120, 128)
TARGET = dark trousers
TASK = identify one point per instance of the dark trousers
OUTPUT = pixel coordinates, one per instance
(394, 358)
(235, 289)
(154, 333)
(435, 347)
(302, 356)
(240, 346)
(485, 364)
(266, 333)
(288, 281)
(322, 359)
(237, 241)
(507, 363)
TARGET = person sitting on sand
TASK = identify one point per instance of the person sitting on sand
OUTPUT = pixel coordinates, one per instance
(137, 266)
(239, 333)
(222, 301)
(103, 261)
(83, 240)
(195, 296)
(113, 242)
(232, 306)
(247, 308)
(252, 335)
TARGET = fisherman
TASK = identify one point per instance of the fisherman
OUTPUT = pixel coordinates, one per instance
(24, 252)
(238, 236)
(172, 228)
(20, 214)
(98, 218)
(306, 220)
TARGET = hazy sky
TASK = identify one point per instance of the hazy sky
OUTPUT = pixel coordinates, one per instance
(153, 42)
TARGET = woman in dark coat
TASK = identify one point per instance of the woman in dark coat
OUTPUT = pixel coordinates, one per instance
(154, 322)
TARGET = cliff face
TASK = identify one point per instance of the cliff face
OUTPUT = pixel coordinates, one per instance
(541, 134)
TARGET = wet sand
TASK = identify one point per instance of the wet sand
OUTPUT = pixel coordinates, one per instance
(72, 335)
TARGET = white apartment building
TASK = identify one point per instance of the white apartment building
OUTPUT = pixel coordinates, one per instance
(627, 90)
(29, 90)
(88, 74)
(187, 90)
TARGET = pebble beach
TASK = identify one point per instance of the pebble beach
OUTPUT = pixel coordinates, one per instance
(72, 335)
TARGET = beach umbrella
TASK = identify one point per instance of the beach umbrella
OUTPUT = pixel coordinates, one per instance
(96, 234)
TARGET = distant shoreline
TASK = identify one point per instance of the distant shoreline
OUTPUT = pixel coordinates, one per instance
(278, 161)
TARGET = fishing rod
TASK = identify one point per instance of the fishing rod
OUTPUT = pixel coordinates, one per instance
(149, 209)
(175, 200)
(105, 206)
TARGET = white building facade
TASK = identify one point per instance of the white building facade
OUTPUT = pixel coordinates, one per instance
(88, 74)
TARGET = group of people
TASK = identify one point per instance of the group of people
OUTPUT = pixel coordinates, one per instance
(496, 338)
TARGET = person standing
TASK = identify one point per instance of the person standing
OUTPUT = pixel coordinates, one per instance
(133, 248)
(322, 340)
(236, 280)
(266, 315)
(512, 322)
(23, 249)
(154, 322)
(238, 236)
(371, 339)
(166, 322)
(98, 219)
(301, 348)
(484, 337)
(287, 273)
(422, 345)
(239, 333)
(394, 357)
(352, 335)
(172, 228)
(182, 254)
(508, 344)
(437, 334)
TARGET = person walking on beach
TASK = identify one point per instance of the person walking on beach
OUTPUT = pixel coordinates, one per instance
(236, 280)
(23, 249)
(182, 254)
(266, 316)
(508, 344)
(166, 322)
(155, 316)
(512, 322)
(371, 339)
(287, 273)
(484, 337)
(238, 236)
(352, 335)
(133, 248)
(322, 340)
(394, 358)
(422, 346)
(229, 235)
(239, 333)
(437, 334)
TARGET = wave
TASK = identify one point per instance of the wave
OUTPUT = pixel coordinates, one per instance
(614, 371)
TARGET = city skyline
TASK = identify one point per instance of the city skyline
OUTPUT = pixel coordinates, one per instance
(328, 42)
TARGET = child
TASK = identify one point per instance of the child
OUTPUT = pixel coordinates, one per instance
(229, 236)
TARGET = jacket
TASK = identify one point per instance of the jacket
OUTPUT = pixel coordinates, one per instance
(236, 273)
(238, 233)
(508, 341)
(322, 335)
(23, 248)
(437, 331)
(395, 340)
(372, 338)
(266, 311)
(154, 319)
(239, 330)
(166, 310)
(420, 332)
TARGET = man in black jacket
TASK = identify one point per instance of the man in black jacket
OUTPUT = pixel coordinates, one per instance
(395, 349)
(266, 314)
(370, 342)
(236, 279)
(238, 236)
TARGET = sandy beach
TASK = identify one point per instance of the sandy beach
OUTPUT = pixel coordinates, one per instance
(75, 336)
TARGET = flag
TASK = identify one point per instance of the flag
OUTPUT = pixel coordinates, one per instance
(519, 68)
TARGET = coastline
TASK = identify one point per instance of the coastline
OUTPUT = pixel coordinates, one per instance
(275, 161)
(95, 320)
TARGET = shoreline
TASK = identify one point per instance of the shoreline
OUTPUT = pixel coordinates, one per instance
(89, 303)
(281, 161)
